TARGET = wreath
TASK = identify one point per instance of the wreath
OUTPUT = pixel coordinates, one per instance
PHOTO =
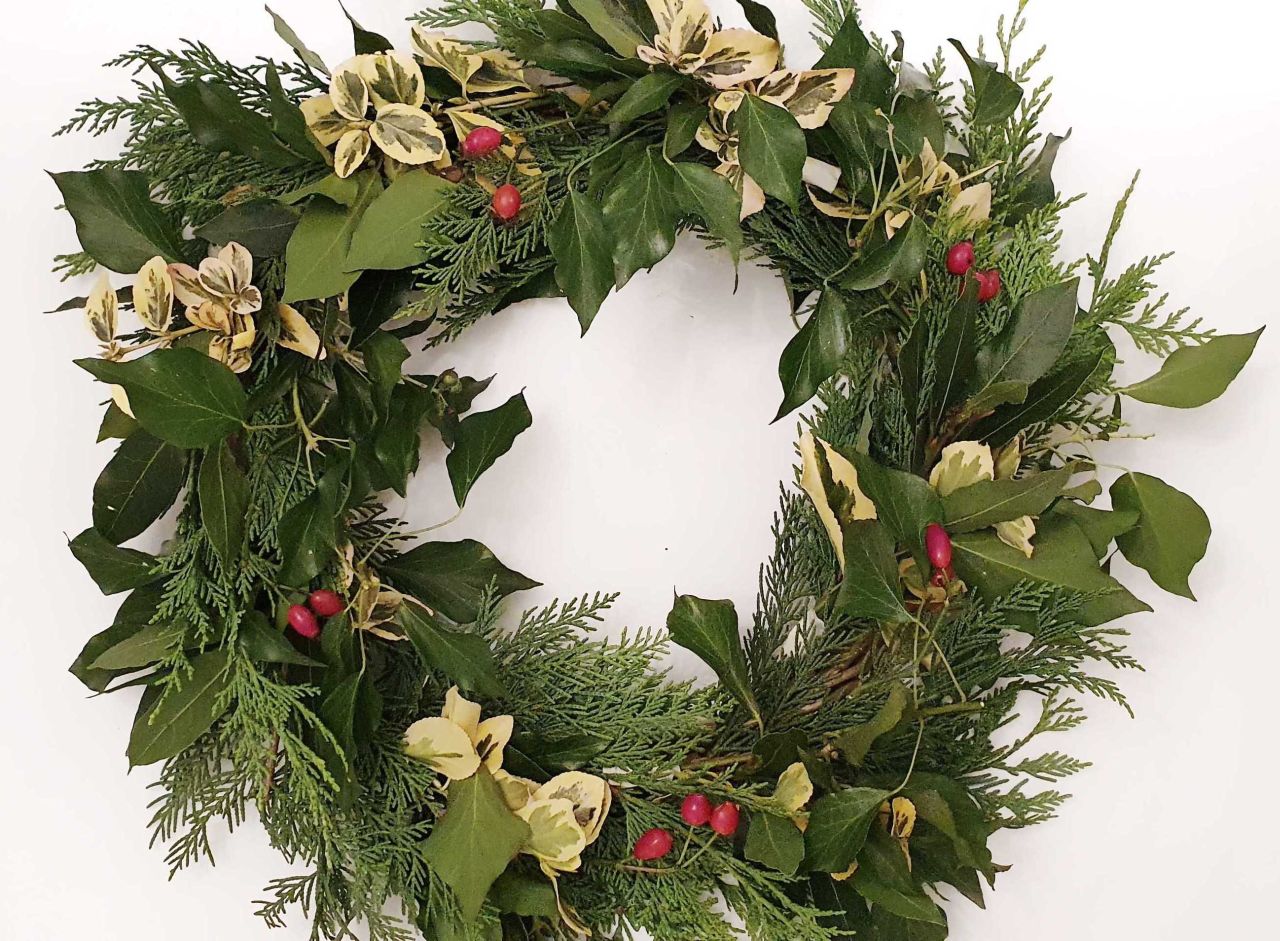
(290, 230)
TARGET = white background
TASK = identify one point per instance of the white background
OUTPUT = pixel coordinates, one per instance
(651, 465)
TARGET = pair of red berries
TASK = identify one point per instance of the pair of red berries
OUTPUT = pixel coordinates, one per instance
(696, 811)
(937, 546)
(481, 142)
(320, 604)
(960, 261)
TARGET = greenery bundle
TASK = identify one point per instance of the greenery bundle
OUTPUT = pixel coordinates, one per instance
(939, 562)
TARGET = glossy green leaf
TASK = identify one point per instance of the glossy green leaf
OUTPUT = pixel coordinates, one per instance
(452, 577)
(1172, 533)
(384, 357)
(308, 534)
(955, 354)
(316, 257)
(870, 588)
(116, 221)
(474, 840)
(184, 714)
(1044, 400)
(1101, 527)
(904, 502)
(483, 438)
(760, 18)
(711, 197)
(375, 299)
(137, 487)
(399, 440)
(150, 643)
(683, 121)
(1196, 375)
(641, 213)
(855, 743)
(1034, 339)
(1036, 179)
(997, 501)
(286, 32)
(775, 842)
(838, 827)
(898, 260)
(113, 569)
(777, 751)
(263, 643)
(366, 41)
(995, 95)
(390, 230)
(645, 96)
(613, 22)
(96, 680)
(815, 353)
(224, 502)
(710, 630)
(948, 806)
(116, 424)
(263, 226)
(884, 879)
(525, 894)
(851, 49)
(180, 394)
(583, 249)
(465, 659)
(771, 147)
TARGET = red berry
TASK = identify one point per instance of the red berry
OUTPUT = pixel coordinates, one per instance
(304, 622)
(507, 202)
(724, 819)
(696, 810)
(655, 844)
(960, 258)
(481, 142)
(989, 284)
(937, 545)
(325, 603)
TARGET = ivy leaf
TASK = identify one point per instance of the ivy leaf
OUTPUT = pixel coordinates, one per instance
(838, 827)
(775, 842)
(1063, 557)
(113, 569)
(855, 743)
(613, 22)
(465, 659)
(884, 880)
(1172, 533)
(898, 260)
(453, 577)
(519, 893)
(988, 502)
(388, 234)
(483, 438)
(905, 503)
(316, 257)
(870, 588)
(384, 357)
(583, 249)
(1101, 527)
(714, 199)
(137, 487)
(263, 226)
(116, 221)
(375, 299)
(995, 95)
(814, 353)
(1035, 338)
(1043, 400)
(777, 751)
(683, 121)
(851, 49)
(366, 41)
(948, 806)
(399, 440)
(308, 534)
(286, 32)
(180, 394)
(1196, 375)
(645, 96)
(640, 211)
(263, 643)
(184, 714)
(474, 840)
(771, 147)
(224, 502)
(710, 630)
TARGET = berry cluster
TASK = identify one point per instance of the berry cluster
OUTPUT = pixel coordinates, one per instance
(697, 811)
(480, 143)
(305, 619)
(960, 262)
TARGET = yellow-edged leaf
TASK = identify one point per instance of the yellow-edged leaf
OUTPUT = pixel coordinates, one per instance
(153, 295)
(443, 52)
(1018, 534)
(491, 739)
(323, 119)
(973, 206)
(348, 92)
(809, 96)
(590, 796)
(102, 310)
(392, 78)
(962, 464)
(516, 791)
(462, 712)
(733, 57)
(795, 789)
(842, 472)
(353, 151)
(555, 837)
(298, 335)
(444, 746)
(407, 134)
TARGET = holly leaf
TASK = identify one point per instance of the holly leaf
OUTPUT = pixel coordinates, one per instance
(113, 569)
(474, 840)
(465, 659)
(838, 827)
(263, 226)
(988, 502)
(184, 714)
(180, 394)
(644, 96)
(995, 95)
(117, 223)
(1034, 339)
(641, 214)
(898, 260)
(775, 842)
(137, 487)
(583, 249)
(870, 588)
(389, 234)
(1196, 375)
(224, 501)
(711, 197)
(453, 577)
(771, 147)
(1172, 533)
(710, 630)
(855, 743)
(815, 353)
(483, 438)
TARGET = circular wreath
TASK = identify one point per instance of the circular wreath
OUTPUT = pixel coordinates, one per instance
(939, 563)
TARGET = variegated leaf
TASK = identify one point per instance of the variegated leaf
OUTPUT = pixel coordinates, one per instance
(962, 464)
(187, 286)
(809, 96)
(298, 335)
(973, 206)
(210, 315)
(555, 837)
(1018, 534)
(733, 57)
(751, 191)
(499, 72)
(323, 119)
(842, 472)
(349, 93)
(461, 711)
(353, 150)
(392, 78)
(684, 28)
(407, 134)
(102, 310)
(240, 260)
(443, 52)
(492, 736)
(443, 746)
(218, 278)
(153, 295)
(590, 796)
(795, 789)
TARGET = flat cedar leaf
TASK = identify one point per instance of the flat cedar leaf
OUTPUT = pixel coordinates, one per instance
(613, 22)
(483, 438)
(263, 226)
(710, 630)
(583, 248)
(641, 213)
(1172, 533)
(645, 96)
(997, 501)
(474, 840)
(465, 659)
(1063, 557)
(955, 354)
(308, 535)
(184, 714)
(117, 222)
(884, 879)
(366, 41)
(683, 121)
(904, 502)
(1196, 375)
(712, 198)
(775, 842)
(390, 230)
(855, 743)
(524, 894)
(138, 485)
(150, 643)
(870, 588)
(263, 643)
(180, 394)
(814, 353)
(1034, 339)
(316, 257)
(771, 147)
(898, 260)
(113, 569)
(286, 32)
(1043, 400)
(224, 502)
(995, 95)
(453, 577)
(838, 827)
(1101, 527)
